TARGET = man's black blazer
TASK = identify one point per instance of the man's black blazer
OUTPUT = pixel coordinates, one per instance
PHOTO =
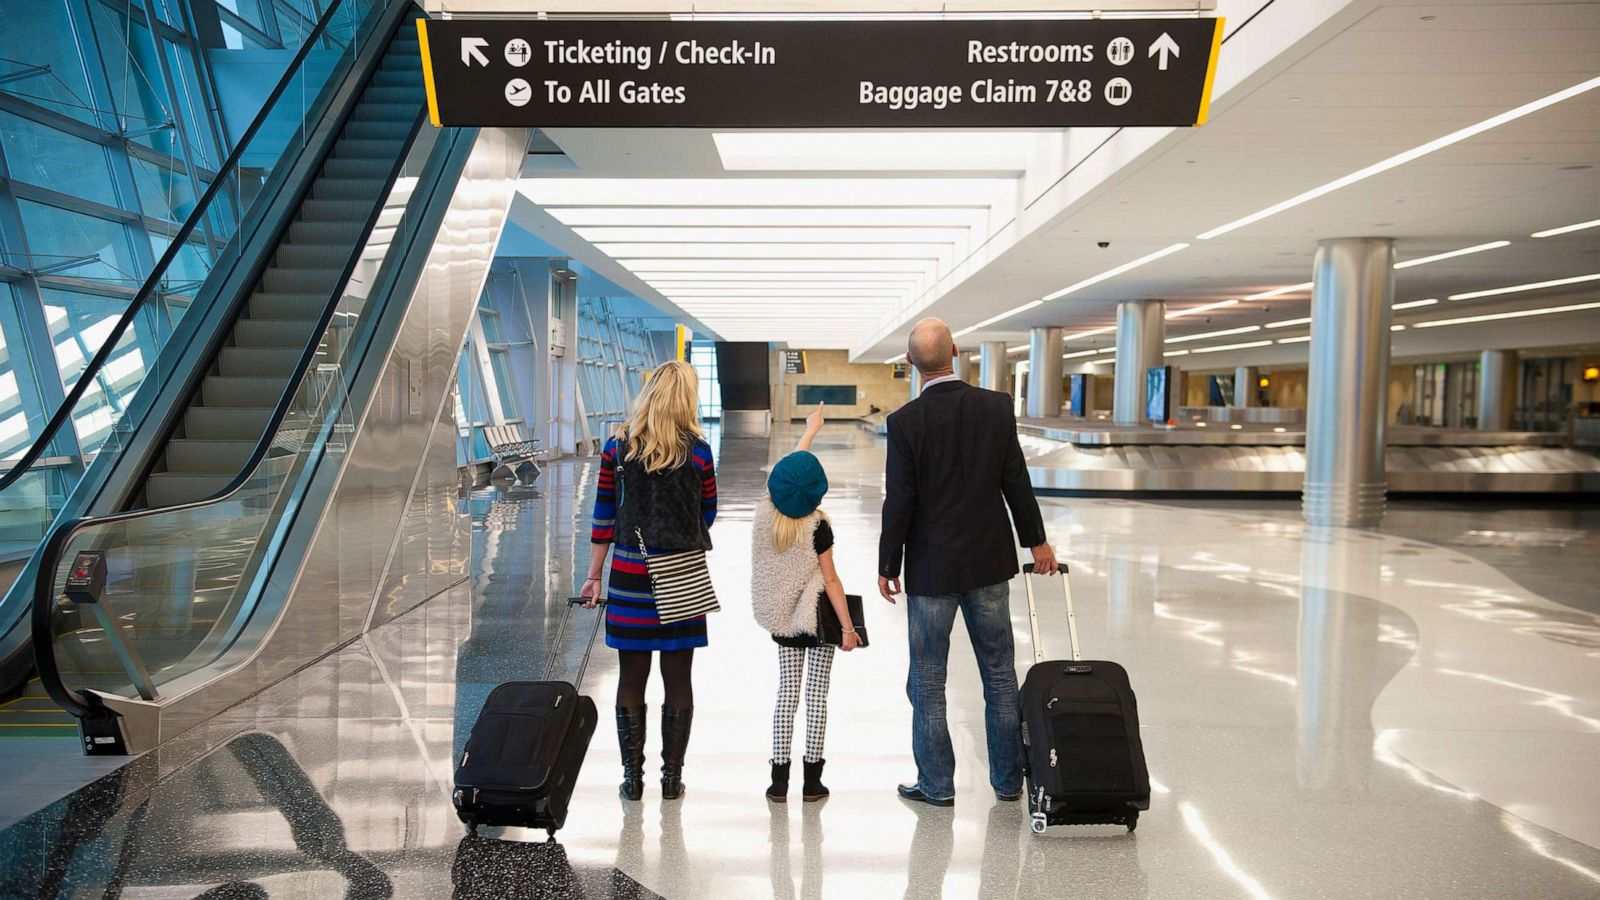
(954, 467)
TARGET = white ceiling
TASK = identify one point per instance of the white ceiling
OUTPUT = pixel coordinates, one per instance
(1308, 91)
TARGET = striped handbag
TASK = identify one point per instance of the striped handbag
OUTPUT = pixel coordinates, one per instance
(681, 584)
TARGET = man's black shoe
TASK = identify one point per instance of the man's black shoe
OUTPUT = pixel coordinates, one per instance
(910, 792)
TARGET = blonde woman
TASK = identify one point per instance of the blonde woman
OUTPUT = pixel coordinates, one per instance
(668, 493)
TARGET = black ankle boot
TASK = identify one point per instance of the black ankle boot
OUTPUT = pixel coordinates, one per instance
(630, 738)
(779, 792)
(814, 788)
(674, 741)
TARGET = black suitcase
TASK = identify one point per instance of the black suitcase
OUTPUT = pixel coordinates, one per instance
(522, 758)
(1080, 735)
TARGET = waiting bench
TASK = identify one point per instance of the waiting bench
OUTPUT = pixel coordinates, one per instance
(514, 453)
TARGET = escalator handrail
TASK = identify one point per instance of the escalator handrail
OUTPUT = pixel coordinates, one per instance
(151, 286)
(55, 542)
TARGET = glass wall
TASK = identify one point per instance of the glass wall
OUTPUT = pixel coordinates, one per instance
(703, 357)
(112, 123)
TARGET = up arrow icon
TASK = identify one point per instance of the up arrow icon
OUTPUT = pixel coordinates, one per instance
(472, 49)
(1164, 45)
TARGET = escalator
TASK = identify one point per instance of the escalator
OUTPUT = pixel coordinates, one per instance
(222, 487)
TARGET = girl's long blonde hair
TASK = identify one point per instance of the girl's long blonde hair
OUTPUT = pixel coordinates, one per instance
(665, 420)
(786, 530)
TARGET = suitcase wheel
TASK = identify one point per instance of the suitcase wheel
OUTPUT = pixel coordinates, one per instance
(1133, 822)
(1039, 823)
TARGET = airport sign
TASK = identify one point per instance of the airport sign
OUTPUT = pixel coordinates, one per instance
(989, 73)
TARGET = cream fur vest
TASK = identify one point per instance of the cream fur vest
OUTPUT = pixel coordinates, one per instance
(784, 586)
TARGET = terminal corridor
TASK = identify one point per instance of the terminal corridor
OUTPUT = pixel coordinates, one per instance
(1324, 711)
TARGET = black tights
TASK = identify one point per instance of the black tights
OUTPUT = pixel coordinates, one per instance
(676, 666)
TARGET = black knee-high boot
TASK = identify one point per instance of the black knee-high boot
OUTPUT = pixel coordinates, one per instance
(630, 739)
(674, 742)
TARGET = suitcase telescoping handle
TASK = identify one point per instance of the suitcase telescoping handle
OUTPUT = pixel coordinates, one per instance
(1033, 614)
(561, 634)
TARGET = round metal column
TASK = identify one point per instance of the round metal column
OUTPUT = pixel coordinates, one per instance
(964, 366)
(1141, 331)
(992, 366)
(1497, 387)
(1244, 385)
(1044, 373)
(915, 378)
(1348, 391)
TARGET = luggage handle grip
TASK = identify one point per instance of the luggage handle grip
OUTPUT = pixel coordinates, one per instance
(561, 634)
(1033, 614)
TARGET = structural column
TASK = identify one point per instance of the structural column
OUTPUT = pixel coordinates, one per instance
(964, 365)
(1244, 385)
(1141, 331)
(992, 366)
(915, 378)
(1497, 389)
(1348, 390)
(1044, 373)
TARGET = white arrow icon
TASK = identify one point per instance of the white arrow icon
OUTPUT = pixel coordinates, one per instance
(472, 49)
(1163, 45)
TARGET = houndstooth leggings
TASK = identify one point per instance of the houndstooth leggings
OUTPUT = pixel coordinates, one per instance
(792, 661)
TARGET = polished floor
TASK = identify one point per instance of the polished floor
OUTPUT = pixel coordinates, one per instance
(1402, 713)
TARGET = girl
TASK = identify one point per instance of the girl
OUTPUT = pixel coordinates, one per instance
(669, 497)
(791, 567)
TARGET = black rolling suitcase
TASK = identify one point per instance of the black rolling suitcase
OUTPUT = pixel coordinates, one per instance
(522, 758)
(1080, 735)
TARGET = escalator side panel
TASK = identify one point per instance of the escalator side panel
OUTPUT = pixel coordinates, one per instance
(377, 531)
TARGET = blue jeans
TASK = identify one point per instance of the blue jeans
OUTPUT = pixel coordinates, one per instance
(987, 611)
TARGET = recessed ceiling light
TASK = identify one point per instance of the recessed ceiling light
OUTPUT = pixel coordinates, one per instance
(1279, 292)
(1495, 317)
(1090, 333)
(724, 192)
(1295, 340)
(1413, 304)
(1519, 288)
(1397, 328)
(773, 216)
(993, 319)
(1399, 159)
(1079, 353)
(1196, 310)
(701, 234)
(1464, 251)
(864, 150)
(1211, 334)
(1566, 229)
(1288, 322)
(1175, 353)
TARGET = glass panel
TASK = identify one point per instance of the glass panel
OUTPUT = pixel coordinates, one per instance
(133, 71)
(79, 324)
(163, 193)
(38, 154)
(500, 362)
(21, 412)
(186, 81)
(57, 237)
(41, 34)
(183, 601)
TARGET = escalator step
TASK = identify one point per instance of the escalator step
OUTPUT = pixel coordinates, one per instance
(225, 422)
(290, 334)
(266, 307)
(313, 256)
(386, 149)
(299, 281)
(347, 189)
(191, 456)
(223, 390)
(343, 234)
(395, 78)
(171, 488)
(341, 211)
(377, 128)
(367, 111)
(395, 94)
(252, 362)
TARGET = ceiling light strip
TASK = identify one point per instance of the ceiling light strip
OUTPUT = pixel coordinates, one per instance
(1464, 251)
(1519, 288)
(1211, 334)
(1245, 346)
(1410, 304)
(1399, 159)
(1279, 292)
(1005, 315)
(1196, 310)
(1288, 322)
(1114, 272)
(1565, 229)
(1495, 317)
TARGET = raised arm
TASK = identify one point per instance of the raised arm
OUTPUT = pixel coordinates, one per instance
(813, 425)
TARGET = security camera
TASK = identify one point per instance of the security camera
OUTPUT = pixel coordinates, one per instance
(1102, 244)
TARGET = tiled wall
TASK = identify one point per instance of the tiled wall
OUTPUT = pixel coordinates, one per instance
(875, 384)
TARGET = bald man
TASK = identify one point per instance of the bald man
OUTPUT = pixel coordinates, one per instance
(954, 468)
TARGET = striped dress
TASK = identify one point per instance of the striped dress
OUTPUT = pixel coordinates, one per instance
(631, 621)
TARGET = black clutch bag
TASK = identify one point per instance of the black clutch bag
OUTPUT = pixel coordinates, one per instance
(828, 629)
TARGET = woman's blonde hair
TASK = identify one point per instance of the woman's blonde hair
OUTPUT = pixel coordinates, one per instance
(786, 529)
(665, 420)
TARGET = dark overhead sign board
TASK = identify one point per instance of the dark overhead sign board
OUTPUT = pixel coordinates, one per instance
(1031, 73)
